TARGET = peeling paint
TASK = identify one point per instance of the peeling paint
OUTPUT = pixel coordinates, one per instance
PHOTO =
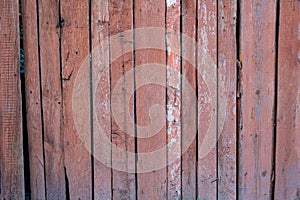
(170, 117)
(170, 2)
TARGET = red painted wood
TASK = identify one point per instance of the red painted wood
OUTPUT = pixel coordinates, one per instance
(11, 149)
(188, 98)
(207, 99)
(257, 53)
(33, 99)
(51, 97)
(287, 179)
(173, 99)
(67, 107)
(75, 69)
(101, 98)
(227, 59)
(151, 185)
(122, 86)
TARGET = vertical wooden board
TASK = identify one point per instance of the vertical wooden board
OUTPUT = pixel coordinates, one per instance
(287, 180)
(11, 150)
(51, 98)
(151, 185)
(173, 99)
(207, 98)
(227, 13)
(257, 50)
(101, 98)
(76, 96)
(188, 109)
(33, 100)
(122, 88)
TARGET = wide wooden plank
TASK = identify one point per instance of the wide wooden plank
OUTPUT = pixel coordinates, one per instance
(257, 50)
(101, 99)
(11, 140)
(33, 100)
(287, 180)
(227, 13)
(76, 98)
(51, 98)
(188, 110)
(173, 46)
(207, 99)
(150, 100)
(122, 88)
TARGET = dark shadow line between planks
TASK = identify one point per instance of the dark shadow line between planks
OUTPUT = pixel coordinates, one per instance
(134, 100)
(166, 100)
(239, 114)
(91, 98)
(60, 26)
(275, 108)
(197, 96)
(181, 59)
(41, 94)
(217, 109)
(111, 117)
(26, 160)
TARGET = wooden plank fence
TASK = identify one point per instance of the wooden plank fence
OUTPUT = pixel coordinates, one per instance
(151, 99)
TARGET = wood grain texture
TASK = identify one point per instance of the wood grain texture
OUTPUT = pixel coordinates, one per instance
(173, 99)
(75, 67)
(188, 109)
(287, 180)
(51, 98)
(151, 185)
(257, 53)
(227, 55)
(101, 98)
(207, 98)
(122, 86)
(11, 140)
(33, 100)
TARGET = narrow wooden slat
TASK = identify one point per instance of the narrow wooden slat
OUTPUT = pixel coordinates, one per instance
(11, 149)
(287, 185)
(151, 185)
(51, 98)
(33, 99)
(188, 110)
(76, 96)
(207, 98)
(101, 98)
(227, 13)
(173, 99)
(257, 50)
(122, 86)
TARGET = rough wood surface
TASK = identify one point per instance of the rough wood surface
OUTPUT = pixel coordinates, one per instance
(151, 185)
(51, 98)
(11, 140)
(122, 86)
(86, 99)
(257, 53)
(101, 99)
(207, 99)
(287, 185)
(227, 95)
(76, 117)
(188, 109)
(173, 99)
(33, 100)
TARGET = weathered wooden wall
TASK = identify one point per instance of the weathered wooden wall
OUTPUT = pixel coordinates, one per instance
(11, 140)
(119, 105)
